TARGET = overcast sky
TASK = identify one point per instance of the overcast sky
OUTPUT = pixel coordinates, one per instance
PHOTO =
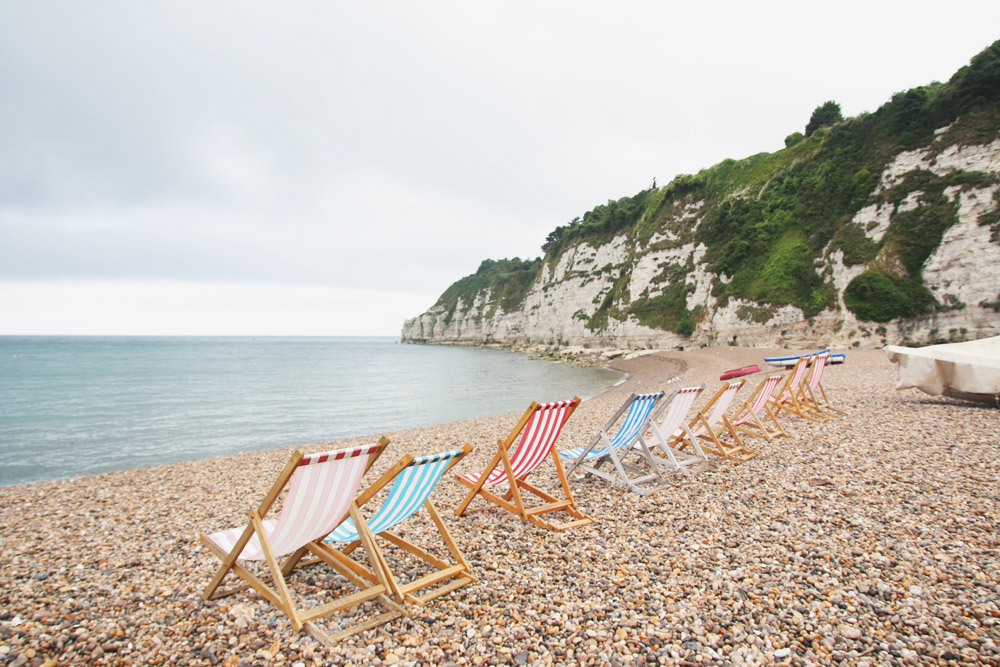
(329, 168)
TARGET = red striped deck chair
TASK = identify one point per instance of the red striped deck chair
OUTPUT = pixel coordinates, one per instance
(710, 422)
(811, 392)
(787, 399)
(677, 407)
(753, 416)
(321, 492)
(413, 481)
(539, 428)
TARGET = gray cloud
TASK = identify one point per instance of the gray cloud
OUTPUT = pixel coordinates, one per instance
(368, 145)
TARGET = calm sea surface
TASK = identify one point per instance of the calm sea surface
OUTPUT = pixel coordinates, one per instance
(80, 405)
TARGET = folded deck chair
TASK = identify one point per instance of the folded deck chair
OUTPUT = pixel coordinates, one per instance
(677, 406)
(604, 448)
(811, 392)
(413, 481)
(710, 422)
(787, 398)
(753, 416)
(541, 425)
(321, 491)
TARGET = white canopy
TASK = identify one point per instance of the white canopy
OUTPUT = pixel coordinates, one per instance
(961, 370)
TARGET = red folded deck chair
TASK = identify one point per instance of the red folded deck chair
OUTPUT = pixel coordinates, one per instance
(539, 427)
(321, 492)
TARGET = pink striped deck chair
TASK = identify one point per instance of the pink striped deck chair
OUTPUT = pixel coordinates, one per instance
(710, 421)
(677, 407)
(787, 399)
(811, 390)
(321, 492)
(751, 416)
(539, 427)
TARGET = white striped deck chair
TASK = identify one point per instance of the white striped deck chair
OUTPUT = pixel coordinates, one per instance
(413, 481)
(321, 491)
(637, 410)
(811, 390)
(709, 424)
(539, 428)
(787, 399)
(753, 415)
(677, 406)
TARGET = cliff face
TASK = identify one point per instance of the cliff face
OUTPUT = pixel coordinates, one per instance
(882, 229)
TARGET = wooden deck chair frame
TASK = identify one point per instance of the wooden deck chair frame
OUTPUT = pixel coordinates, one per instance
(459, 571)
(677, 406)
(278, 593)
(787, 398)
(706, 427)
(513, 469)
(811, 389)
(753, 416)
(628, 440)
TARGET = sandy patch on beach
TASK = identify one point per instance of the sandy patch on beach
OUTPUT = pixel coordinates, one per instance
(870, 538)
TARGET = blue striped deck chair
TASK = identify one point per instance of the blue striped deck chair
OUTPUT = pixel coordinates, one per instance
(413, 481)
(627, 440)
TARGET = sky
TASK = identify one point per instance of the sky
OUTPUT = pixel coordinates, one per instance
(330, 168)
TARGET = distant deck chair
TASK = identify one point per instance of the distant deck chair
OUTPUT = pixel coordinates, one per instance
(540, 425)
(787, 398)
(710, 422)
(677, 407)
(753, 416)
(413, 481)
(811, 391)
(321, 491)
(637, 410)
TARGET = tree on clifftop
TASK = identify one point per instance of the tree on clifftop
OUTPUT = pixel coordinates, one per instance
(825, 114)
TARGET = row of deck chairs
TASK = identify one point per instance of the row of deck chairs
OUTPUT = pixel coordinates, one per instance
(655, 436)
(321, 519)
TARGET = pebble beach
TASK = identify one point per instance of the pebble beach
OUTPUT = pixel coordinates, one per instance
(868, 539)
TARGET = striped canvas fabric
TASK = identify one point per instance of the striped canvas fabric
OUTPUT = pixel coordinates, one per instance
(759, 401)
(635, 422)
(800, 371)
(538, 437)
(679, 408)
(411, 488)
(319, 494)
(719, 409)
(817, 370)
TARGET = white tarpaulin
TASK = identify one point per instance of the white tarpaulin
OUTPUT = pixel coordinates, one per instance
(962, 370)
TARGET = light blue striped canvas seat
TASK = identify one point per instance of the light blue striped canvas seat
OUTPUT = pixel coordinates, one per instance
(410, 490)
(413, 482)
(635, 421)
(627, 441)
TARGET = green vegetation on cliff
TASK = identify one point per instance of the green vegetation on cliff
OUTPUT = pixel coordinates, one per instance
(769, 221)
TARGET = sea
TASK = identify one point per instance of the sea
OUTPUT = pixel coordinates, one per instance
(78, 405)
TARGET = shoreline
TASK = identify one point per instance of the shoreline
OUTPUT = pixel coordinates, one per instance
(865, 538)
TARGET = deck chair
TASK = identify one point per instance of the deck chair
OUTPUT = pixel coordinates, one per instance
(321, 491)
(787, 399)
(812, 394)
(710, 422)
(413, 481)
(637, 410)
(753, 416)
(540, 425)
(677, 407)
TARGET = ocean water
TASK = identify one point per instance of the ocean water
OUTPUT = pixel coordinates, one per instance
(84, 404)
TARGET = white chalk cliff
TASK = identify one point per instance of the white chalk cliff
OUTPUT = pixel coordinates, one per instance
(962, 273)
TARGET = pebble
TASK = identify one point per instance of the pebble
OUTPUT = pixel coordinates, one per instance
(865, 539)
